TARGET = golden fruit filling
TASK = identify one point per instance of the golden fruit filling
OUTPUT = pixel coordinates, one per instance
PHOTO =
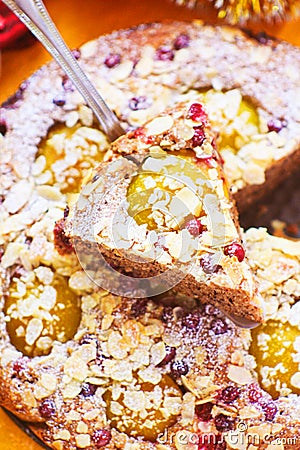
(67, 154)
(41, 308)
(234, 118)
(145, 410)
(168, 190)
(275, 347)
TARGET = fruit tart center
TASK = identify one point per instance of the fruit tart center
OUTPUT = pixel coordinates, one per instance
(166, 193)
(67, 154)
(41, 308)
(145, 409)
(275, 347)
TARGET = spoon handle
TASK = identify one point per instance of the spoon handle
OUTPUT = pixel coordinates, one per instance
(35, 16)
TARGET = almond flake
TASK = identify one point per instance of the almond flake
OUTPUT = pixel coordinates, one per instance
(18, 196)
(82, 428)
(71, 390)
(58, 445)
(158, 352)
(92, 414)
(50, 193)
(159, 125)
(83, 440)
(63, 435)
(48, 381)
(116, 346)
(135, 401)
(33, 330)
(295, 380)
(239, 375)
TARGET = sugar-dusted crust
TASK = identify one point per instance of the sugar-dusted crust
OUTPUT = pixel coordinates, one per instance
(101, 216)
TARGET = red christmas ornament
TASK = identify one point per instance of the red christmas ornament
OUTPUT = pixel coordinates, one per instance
(12, 31)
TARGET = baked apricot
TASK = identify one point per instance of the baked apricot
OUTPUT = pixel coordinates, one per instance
(38, 314)
(66, 154)
(146, 411)
(274, 349)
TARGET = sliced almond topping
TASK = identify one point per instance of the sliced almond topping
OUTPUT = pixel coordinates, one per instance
(48, 381)
(159, 125)
(295, 380)
(63, 435)
(239, 375)
(82, 427)
(58, 445)
(83, 440)
(33, 330)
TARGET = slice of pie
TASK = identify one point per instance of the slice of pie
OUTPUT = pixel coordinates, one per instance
(158, 211)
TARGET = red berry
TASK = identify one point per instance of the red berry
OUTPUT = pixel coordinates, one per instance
(194, 227)
(224, 423)
(199, 136)
(3, 127)
(59, 100)
(88, 389)
(170, 355)
(101, 438)
(167, 314)
(179, 368)
(203, 412)
(139, 132)
(211, 442)
(112, 60)
(236, 250)
(276, 125)
(181, 41)
(76, 53)
(191, 321)
(47, 408)
(254, 393)
(229, 394)
(218, 326)
(20, 365)
(141, 102)
(67, 84)
(139, 307)
(206, 442)
(207, 265)
(208, 160)
(270, 410)
(62, 242)
(197, 113)
(164, 54)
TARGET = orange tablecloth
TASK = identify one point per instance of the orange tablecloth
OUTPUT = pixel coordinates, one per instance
(80, 21)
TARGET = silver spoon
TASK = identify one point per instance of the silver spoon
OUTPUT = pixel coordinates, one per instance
(36, 17)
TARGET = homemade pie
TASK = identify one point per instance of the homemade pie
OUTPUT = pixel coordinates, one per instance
(161, 211)
(93, 370)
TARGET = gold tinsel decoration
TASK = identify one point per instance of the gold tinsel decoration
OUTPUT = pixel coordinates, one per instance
(241, 11)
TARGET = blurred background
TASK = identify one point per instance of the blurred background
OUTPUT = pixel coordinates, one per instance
(80, 21)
